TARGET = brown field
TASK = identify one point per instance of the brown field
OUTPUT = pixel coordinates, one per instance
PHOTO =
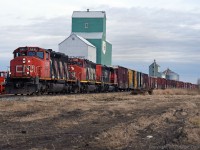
(166, 120)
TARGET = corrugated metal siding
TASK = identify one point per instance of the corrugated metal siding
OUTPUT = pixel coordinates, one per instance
(73, 46)
(92, 54)
(145, 80)
(122, 74)
(94, 25)
(85, 41)
(135, 79)
(89, 14)
(98, 45)
(107, 57)
(94, 35)
(139, 79)
(130, 79)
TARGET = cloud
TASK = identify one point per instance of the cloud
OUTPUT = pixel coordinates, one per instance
(138, 34)
(141, 33)
(42, 32)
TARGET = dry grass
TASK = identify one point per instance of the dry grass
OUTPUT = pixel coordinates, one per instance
(176, 92)
(157, 112)
(195, 121)
(118, 137)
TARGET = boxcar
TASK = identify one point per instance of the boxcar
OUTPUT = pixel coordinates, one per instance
(122, 77)
(130, 79)
(145, 81)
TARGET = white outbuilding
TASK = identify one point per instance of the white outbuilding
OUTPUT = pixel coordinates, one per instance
(77, 46)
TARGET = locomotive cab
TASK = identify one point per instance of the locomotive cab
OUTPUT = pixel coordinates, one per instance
(82, 73)
(28, 68)
(30, 62)
(82, 70)
(76, 69)
(3, 76)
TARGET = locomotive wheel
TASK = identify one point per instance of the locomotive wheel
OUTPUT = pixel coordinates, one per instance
(38, 93)
(76, 90)
(87, 90)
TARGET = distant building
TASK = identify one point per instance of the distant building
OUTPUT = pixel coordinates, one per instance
(168, 74)
(154, 70)
(77, 46)
(171, 75)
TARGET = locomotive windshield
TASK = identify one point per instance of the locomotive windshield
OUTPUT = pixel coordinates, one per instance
(29, 53)
(40, 55)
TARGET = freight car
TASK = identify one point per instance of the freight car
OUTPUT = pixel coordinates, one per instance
(36, 70)
(3, 76)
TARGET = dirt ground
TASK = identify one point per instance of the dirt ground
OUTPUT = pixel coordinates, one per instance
(166, 120)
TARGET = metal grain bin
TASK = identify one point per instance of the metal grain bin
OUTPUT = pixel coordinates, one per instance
(170, 75)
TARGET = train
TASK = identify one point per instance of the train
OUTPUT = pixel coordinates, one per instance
(35, 70)
(3, 76)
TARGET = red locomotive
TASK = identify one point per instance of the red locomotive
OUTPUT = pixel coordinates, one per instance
(3, 76)
(86, 76)
(36, 70)
(82, 75)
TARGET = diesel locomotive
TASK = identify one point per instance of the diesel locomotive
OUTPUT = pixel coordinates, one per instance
(3, 76)
(35, 70)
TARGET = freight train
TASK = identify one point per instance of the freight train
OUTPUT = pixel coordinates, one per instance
(35, 70)
(3, 76)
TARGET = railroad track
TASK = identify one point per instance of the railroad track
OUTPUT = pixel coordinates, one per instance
(50, 95)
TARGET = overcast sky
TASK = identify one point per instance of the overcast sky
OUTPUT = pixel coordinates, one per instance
(140, 30)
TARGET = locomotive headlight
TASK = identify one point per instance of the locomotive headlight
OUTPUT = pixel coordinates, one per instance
(29, 61)
(24, 60)
(27, 72)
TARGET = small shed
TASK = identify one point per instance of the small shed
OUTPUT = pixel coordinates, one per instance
(77, 46)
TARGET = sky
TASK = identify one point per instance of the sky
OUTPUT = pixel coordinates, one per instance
(139, 30)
